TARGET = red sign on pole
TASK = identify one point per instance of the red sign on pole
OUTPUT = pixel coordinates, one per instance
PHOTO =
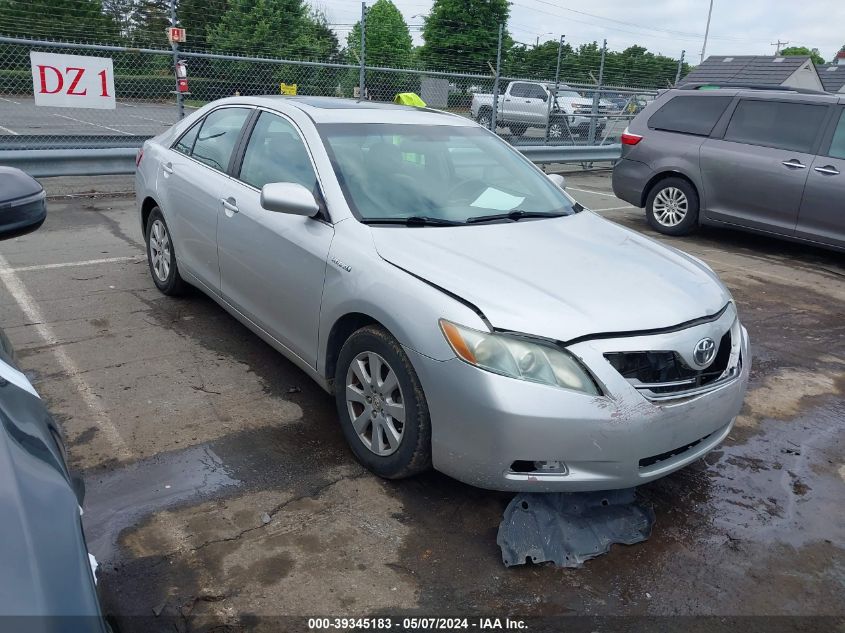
(176, 34)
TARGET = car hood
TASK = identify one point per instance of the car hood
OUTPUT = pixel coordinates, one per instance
(562, 279)
(46, 570)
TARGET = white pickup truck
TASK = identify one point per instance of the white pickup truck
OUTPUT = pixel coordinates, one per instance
(525, 104)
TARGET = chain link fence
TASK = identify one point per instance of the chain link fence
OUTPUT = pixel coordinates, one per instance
(529, 110)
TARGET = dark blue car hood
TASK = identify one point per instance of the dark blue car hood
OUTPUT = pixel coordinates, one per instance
(45, 567)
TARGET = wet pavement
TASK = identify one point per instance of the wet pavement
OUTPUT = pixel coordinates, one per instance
(219, 485)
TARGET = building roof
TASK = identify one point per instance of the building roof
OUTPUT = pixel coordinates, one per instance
(749, 69)
(832, 76)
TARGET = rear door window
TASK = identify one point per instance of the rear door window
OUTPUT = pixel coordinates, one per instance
(218, 135)
(779, 124)
(837, 146)
(186, 144)
(693, 114)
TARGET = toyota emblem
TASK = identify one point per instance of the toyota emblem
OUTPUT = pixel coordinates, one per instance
(704, 352)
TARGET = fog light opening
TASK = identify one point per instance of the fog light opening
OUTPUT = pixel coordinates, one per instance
(546, 467)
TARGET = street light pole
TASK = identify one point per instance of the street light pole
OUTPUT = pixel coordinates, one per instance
(707, 31)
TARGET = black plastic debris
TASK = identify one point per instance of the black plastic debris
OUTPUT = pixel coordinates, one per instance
(570, 528)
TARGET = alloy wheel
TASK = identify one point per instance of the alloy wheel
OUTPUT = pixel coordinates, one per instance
(160, 250)
(375, 403)
(670, 206)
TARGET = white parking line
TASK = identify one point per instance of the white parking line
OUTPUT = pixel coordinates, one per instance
(105, 127)
(627, 206)
(33, 313)
(8, 131)
(598, 193)
(87, 262)
(10, 101)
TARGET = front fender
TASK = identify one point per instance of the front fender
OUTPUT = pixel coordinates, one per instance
(359, 281)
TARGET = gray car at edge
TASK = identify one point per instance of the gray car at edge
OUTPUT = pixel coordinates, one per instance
(465, 312)
(764, 160)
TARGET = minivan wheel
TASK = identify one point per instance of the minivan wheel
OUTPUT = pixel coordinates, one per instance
(381, 405)
(672, 207)
(161, 256)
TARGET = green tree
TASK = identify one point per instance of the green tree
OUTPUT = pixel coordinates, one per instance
(803, 51)
(198, 17)
(150, 21)
(388, 37)
(56, 19)
(463, 34)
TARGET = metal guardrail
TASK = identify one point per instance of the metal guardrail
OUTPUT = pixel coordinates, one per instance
(107, 161)
(46, 163)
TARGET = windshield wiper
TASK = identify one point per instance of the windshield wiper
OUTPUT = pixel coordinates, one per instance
(414, 220)
(515, 215)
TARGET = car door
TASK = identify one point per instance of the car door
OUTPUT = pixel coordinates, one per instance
(192, 176)
(272, 265)
(514, 99)
(536, 105)
(755, 175)
(822, 215)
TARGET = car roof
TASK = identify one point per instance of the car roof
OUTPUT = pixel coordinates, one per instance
(774, 92)
(338, 110)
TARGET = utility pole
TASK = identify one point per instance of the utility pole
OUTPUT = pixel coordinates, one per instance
(778, 45)
(362, 71)
(680, 68)
(174, 46)
(553, 96)
(707, 31)
(594, 113)
(496, 81)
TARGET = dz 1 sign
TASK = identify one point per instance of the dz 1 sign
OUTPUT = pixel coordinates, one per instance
(72, 81)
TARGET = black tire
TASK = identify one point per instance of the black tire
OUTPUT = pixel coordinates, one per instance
(171, 284)
(484, 117)
(689, 223)
(559, 131)
(413, 454)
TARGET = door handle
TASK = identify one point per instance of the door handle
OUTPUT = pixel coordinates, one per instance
(793, 164)
(168, 168)
(229, 204)
(830, 170)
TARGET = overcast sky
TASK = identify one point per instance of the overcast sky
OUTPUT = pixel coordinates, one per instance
(738, 27)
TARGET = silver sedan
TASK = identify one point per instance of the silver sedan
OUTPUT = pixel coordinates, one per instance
(465, 312)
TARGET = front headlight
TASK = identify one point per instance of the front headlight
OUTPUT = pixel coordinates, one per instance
(518, 358)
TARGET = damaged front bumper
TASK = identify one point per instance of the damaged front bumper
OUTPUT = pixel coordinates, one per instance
(500, 433)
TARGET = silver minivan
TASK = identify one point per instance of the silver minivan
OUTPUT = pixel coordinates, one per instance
(765, 160)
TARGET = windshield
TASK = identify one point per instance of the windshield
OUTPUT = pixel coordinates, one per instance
(442, 173)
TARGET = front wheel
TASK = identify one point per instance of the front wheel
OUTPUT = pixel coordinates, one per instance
(381, 405)
(559, 131)
(672, 207)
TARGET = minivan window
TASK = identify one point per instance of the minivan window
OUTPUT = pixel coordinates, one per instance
(837, 146)
(693, 114)
(779, 124)
(276, 153)
(218, 135)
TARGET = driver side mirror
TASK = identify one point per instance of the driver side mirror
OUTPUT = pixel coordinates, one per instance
(558, 180)
(289, 197)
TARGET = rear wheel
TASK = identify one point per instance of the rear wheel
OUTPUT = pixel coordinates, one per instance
(484, 118)
(381, 405)
(161, 255)
(672, 207)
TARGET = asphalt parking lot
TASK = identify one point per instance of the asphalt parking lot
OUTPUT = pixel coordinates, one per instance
(138, 118)
(219, 485)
